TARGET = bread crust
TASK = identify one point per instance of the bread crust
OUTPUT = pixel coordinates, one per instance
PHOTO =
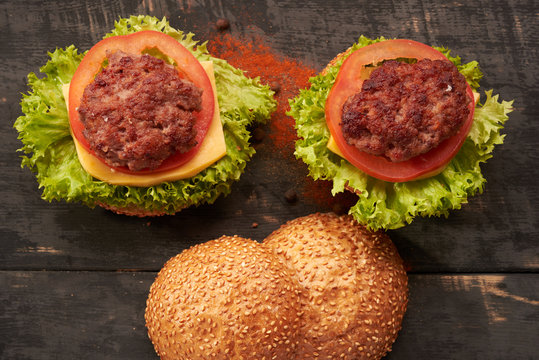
(229, 298)
(336, 59)
(133, 210)
(355, 286)
(319, 287)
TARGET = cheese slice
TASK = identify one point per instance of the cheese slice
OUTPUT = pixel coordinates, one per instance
(212, 149)
(332, 145)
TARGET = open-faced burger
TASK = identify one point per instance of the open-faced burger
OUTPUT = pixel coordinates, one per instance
(400, 124)
(146, 122)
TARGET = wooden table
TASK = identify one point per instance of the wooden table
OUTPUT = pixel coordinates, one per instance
(74, 281)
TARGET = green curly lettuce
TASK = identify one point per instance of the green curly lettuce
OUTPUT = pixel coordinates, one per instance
(387, 205)
(50, 153)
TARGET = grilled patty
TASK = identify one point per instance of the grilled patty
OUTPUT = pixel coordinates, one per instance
(404, 110)
(138, 111)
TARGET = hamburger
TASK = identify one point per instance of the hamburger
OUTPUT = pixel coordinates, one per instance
(319, 287)
(145, 123)
(402, 125)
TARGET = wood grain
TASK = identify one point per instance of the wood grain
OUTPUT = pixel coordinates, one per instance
(96, 315)
(495, 231)
(74, 280)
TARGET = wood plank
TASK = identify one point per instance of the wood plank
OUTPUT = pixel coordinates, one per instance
(494, 316)
(95, 311)
(496, 231)
(73, 315)
(95, 315)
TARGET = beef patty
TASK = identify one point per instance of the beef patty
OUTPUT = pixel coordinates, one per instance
(404, 110)
(138, 111)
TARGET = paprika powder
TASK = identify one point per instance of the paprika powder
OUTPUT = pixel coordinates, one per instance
(286, 77)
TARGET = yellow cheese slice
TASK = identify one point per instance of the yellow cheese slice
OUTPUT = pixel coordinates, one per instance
(212, 149)
(332, 145)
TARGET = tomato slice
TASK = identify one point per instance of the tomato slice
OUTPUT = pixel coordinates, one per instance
(136, 43)
(349, 81)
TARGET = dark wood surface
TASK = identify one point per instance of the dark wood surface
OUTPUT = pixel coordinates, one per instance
(73, 281)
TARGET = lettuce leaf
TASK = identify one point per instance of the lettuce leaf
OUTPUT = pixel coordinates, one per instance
(386, 205)
(50, 153)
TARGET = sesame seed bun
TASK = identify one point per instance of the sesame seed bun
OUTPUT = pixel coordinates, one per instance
(229, 298)
(135, 210)
(336, 59)
(319, 287)
(355, 286)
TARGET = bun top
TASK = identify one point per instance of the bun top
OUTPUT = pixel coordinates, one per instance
(355, 286)
(320, 287)
(228, 298)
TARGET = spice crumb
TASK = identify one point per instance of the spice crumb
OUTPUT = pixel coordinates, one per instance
(291, 196)
(275, 86)
(338, 208)
(258, 135)
(222, 24)
(254, 225)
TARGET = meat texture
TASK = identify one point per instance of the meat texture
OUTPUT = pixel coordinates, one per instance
(404, 110)
(138, 111)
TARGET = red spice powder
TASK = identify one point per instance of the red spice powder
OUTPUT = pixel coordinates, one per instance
(257, 59)
(320, 192)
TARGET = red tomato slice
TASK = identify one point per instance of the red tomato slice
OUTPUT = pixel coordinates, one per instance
(188, 67)
(349, 81)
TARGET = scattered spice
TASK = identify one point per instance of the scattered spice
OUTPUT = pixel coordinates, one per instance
(222, 24)
(254, 225)
(286, 77)
(291, 196)
(338, 209)
(258, 135)
(320, 193)
(408, 266)
(275, 87)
